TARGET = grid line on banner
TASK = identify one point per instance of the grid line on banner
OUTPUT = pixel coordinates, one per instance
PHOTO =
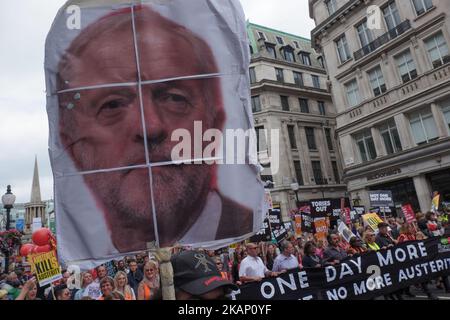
(139, 166)
(133, 84)
(141, 104)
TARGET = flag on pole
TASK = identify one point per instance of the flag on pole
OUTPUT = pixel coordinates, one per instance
(435, 203)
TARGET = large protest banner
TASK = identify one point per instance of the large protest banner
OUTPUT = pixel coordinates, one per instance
(359, 277)
(45, 266)
(124, 114)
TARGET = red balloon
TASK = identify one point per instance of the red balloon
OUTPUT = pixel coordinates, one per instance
(26, 249)
(41, 249)
(42, 236)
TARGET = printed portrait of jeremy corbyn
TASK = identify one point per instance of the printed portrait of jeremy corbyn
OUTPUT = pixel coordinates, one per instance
(124, 84)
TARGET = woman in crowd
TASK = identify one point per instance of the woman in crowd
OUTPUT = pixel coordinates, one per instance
(107, 287)
(89, 288)
(149, 287)
(121, 283)
(356, 246)
(311, 259)
(237, 258)
(320, 248)
(28, 291)
(369, 239)
(270, 256)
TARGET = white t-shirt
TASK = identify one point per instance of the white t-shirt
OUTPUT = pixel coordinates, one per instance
(252, 267)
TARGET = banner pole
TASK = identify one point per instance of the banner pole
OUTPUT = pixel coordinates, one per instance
(166, 273)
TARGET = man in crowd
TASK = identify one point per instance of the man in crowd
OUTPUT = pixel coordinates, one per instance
(103, 128)
(101, 273)
(334, 254)
(383, 238)
(286, 260)
(252, 267)
(135, 275)
(196, 277)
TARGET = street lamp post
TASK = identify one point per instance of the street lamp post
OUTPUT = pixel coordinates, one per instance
(295, 187)
(8, 200)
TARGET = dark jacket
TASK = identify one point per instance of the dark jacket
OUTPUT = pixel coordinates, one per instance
(331, 254)
(134, 279)
(311, 261)
(383, 241)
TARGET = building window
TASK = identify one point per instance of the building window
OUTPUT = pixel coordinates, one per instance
(284, 103)
(329, 140)
(364, 34)
(296, 44)
(252, 75)
(256, 104)
(446, 111)
(352, 93)
(406, 66)
(337, 177)
(316, 81)
(261, 35)
(331, 6)
(438, 50)
(310, 138)
(251, 50)
(304, 107)
(288, 54)
(391, 15)
(366, 146)
(279, 74)
(317, 172)
(423, 127)
(391, 138)
(321, 63)
(292, 139)
(298, 78)
(377, 81)
(298, 172)
(305, 58)
(422, 6)
(260, 139)
(280, 40)
(322, 109)
(342, 48)
(271, 50)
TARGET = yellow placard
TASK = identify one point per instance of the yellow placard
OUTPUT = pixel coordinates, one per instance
(46, 267)
(372, 219)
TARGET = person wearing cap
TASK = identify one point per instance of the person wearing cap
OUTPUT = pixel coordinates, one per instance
(252, 267)
(384, 239)
(196, 277)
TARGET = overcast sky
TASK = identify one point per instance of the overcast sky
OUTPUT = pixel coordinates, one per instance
(23, 119)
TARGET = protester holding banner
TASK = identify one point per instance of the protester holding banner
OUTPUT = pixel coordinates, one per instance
(252, 267)
(369, 239)
(383, 238)
(334, 253)
(311, 259)
(356, 246)
(286, 260)
(121, 284)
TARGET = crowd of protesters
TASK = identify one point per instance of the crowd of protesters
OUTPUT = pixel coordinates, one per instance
(137, 277)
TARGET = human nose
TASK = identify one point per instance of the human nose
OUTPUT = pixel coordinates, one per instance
(155, 128)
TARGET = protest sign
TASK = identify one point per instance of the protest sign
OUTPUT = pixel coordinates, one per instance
(298, 225)
(345, 232)
(435, 203)
(216, 187)
(264, 234)
(372, 219)
(408, 212)
(45, 266)
(381, 199)
(322, 208)
(20, 223)
(307, 223)
(361, 277)
(321, 228)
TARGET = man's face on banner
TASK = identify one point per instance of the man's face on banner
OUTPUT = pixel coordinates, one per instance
(102, 128)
